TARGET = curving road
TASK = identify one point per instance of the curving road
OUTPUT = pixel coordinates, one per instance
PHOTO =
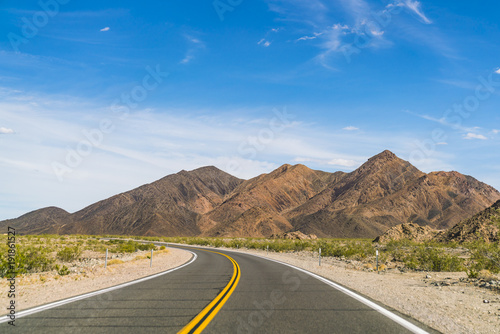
(220, 292)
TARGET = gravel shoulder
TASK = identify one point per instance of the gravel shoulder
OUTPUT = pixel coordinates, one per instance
(41, 288)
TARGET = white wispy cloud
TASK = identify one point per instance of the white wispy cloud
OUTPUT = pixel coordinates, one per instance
(497, 71)
(443, 121)
(187, 58)
(416, 7)
(343, 162)
(471, 135)
(495, 131)
(6, 131)
(377, 33)
(264, 42)
(314, 36)
(350, 128)
(195, 45)
(105, 29)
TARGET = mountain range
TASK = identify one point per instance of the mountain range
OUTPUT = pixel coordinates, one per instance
(383, 192)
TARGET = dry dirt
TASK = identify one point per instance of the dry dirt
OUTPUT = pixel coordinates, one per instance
(38, 289)
(457, 308)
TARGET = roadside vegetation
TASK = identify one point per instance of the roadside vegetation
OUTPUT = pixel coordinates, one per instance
(42, 253)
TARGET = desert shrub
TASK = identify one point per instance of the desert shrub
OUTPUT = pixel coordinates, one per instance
(300, 245)
(145, 247)
(63, 270)
(69, 254)
(198, 241)
(472, 273)
(129, 246)
(351, 249)
(484, 256)
(126, 247)
(215, 242)
(162, 247)
(28, 259)
(432, 259)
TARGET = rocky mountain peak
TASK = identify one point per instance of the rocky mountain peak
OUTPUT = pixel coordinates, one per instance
(385, 155)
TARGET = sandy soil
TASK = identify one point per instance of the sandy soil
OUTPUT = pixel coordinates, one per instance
(455, 308)
(38, 289)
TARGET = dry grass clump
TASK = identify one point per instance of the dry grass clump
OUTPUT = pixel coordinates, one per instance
(486, 275)
(114, 261)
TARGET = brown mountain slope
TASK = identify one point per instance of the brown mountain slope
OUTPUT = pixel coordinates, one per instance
(172, 205)
(380, 176)
(484, 226)
(47, 220)
(387, 191)
(259, 204)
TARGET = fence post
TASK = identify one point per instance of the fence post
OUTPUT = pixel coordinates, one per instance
(106, 259)
(320, 256)
(267, 250)
(377, 260)
(151, 262)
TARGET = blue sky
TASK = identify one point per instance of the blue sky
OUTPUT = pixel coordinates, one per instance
(99, 97)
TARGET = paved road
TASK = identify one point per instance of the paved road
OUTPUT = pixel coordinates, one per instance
(268, 298)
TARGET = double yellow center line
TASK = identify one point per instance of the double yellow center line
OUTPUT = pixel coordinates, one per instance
(198, 324)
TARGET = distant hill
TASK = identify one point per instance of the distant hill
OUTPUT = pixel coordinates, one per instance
(384, 192)
(47, 220)
(484, 226)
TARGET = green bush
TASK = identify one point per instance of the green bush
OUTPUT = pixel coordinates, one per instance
(484, 256)
(69, 254)
(28, 259)
(63, 271)
(145, 247)
(432, 259)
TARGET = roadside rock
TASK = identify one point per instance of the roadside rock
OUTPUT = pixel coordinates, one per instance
(294, 236)
(409, 231)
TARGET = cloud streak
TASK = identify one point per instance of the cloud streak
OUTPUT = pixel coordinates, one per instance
(471, 136)
(416, 7)
(6, 131)
(195, 46)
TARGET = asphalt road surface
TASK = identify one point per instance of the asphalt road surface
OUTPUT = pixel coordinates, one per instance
(217, 293)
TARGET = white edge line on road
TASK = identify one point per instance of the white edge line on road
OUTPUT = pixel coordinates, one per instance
(405, 323)
(5, 318)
